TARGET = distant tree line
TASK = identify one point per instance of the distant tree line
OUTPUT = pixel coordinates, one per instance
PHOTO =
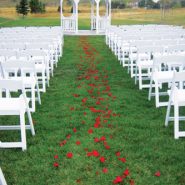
(32, 6)
(121, 4)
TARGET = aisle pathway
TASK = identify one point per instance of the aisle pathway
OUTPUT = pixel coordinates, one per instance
(95, 122)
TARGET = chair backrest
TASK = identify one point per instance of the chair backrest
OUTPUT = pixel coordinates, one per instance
(11, 85)
(15, 66)
(169, 61)
(176, 48)
(179, 76)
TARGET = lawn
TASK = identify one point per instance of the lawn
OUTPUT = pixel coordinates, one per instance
(92, 96)
(8, 17)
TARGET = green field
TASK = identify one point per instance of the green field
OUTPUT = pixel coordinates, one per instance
(8, 17)
(134, 127)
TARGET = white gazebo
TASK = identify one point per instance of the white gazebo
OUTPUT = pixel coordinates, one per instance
(98, 23)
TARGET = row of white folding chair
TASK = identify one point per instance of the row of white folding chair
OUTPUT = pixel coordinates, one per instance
(17, 106)
(2, 178)
(40, 58)
(176, 99)
(144, 63)
(144, 60)
(50, 47)
(134, 46)
(141, 36)
(116, 44)
(162, 73)
(43, 65)
(25, 71)
(176, 62)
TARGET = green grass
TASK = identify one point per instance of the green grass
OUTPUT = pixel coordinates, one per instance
(139, 133)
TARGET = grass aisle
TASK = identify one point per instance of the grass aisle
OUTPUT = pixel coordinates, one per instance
(94, 125)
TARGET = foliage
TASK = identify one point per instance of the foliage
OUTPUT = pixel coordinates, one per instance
(149, 4)
(118, 5)
(183, 3)
(22, 7)
(37, 6)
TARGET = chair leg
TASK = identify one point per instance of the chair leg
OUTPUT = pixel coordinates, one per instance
(33, 98)
(23, 131)
(38, 93)
(176, 121)
(30, 122)
(43, 81)
(150, 89)
(2, 178)
(140, 78)
(136, 74)
(168, 113)
(156, 94)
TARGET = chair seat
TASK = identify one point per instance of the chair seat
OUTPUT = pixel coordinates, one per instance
(27, 81)
(145, 64)
(163, 76)
(12, 106)
(133, 56)
(39, 67)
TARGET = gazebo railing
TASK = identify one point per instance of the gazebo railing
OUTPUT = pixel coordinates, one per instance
(69, 24)
(103, 23)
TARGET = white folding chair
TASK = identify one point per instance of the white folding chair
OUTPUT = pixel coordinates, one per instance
(144, 64)
(41, 65)
(25, 71)
(2, 178)
(10, 106)
(176, 99)
(162, 73)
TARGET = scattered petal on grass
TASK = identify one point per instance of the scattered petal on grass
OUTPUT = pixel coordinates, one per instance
(158, 174)
(102, 159)
(117, 180)
(56, 157)
(55, 164)
(90, 131)
(105, 170)
(69, 155)
(78, 142)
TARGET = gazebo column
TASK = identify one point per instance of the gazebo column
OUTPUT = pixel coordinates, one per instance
(92, 14)
(61, 13)
(97, 15)
(109, 1)
(76, 15)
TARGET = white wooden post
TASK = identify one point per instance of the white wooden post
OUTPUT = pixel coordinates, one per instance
(61, 13)
(77, 17)
(92, 13)
(109, 12)
(97, 15)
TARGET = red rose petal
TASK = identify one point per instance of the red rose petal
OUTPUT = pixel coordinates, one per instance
(69, 155)
(158, 174)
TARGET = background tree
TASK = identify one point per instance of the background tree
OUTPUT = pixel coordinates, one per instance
(36, 6)
(22, 8)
